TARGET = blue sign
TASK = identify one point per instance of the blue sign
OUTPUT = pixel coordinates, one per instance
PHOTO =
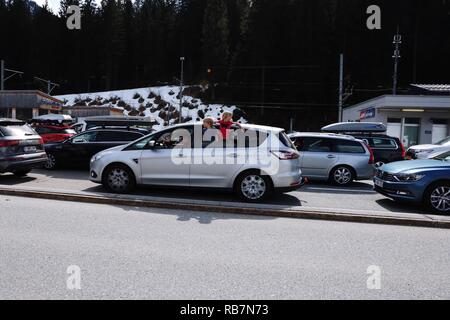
(367, 114)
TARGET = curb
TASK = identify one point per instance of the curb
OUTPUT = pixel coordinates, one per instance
(283, 213)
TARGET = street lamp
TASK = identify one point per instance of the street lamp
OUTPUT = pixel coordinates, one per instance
(181, 88)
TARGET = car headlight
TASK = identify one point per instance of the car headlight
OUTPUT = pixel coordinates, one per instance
(96, 157)
(408, 177)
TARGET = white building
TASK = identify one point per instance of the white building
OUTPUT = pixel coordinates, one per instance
(415, 119)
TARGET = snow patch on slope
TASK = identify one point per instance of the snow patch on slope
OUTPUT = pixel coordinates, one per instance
(160, 103)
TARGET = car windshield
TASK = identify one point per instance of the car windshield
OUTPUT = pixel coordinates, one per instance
(17, 130)
(444, 142)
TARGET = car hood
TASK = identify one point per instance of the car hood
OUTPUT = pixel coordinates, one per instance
(402, 166)
(425, 147)
(113, 149)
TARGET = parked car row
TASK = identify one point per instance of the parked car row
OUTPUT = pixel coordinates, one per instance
(121, 157)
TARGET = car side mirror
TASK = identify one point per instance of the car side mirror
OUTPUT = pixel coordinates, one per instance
(151, 144)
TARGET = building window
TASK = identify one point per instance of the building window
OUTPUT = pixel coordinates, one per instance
(406, 129)
(24, 113)
(5, 113)
(411, 132)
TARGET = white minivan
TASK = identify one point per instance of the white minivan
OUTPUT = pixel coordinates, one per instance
(254, 161)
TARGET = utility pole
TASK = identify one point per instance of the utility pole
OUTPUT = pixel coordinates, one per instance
(3, 76)
(397, 42)
(341, 86)
(50, 85)
(263, 88)
(181, 88)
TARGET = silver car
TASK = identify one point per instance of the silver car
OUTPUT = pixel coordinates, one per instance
(254, 161)
(337, 158)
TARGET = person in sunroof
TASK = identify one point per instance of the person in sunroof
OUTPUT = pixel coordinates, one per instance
(226, 123)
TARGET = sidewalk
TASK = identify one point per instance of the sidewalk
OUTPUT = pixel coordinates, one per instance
(372, 216)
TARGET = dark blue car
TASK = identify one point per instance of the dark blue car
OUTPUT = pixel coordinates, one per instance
(420, 181)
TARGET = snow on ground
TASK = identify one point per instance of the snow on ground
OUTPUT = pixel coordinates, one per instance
(160, 103)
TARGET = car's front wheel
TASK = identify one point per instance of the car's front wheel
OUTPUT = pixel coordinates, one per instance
(437, 198)
(252, 186)
(119, 179)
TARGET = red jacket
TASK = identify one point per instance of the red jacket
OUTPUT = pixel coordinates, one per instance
(225, 126)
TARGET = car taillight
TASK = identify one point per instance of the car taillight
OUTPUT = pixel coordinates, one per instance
(372, 156)
(41, 141)
(9, 143)
(285, 155)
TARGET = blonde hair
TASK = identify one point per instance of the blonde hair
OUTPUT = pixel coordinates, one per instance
(210, 121)
(227, 114)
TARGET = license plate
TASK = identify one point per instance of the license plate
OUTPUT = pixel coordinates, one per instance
(379, 183)
(29, 149)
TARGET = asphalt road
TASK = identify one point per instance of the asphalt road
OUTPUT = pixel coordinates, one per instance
(129, 253)
(359, 196)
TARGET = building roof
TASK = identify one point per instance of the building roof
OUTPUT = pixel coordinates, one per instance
(28, 99)
(31, 92)
(404, 101)
(433, 87)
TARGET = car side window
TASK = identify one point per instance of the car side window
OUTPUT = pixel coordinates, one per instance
(42, 130)
(346, 146)
(117, 136)
(141, 144)
(178, 137)
(383, 143)
(317, 145)
(299, 144)
(85, 137)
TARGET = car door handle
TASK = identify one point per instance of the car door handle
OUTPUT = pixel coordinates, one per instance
(330, 156)
(232, 155)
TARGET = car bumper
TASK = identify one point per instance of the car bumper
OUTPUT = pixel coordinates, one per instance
(399, 191)
(95, 172)
(19, 163)
(289, 179)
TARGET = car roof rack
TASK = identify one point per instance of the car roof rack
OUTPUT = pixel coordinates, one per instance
(122, 127)
(356, 128)
(120, 121)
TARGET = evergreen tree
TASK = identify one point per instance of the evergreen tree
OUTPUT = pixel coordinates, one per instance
(215, 34)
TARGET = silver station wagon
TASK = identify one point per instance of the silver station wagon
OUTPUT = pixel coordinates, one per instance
(337, 158)
(254, 161)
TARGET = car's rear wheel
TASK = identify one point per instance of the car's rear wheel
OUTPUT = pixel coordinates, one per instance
(437, 198)
(119, 179)
(342, 176)
(21, 173)
(51, 162)
(252, 186)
